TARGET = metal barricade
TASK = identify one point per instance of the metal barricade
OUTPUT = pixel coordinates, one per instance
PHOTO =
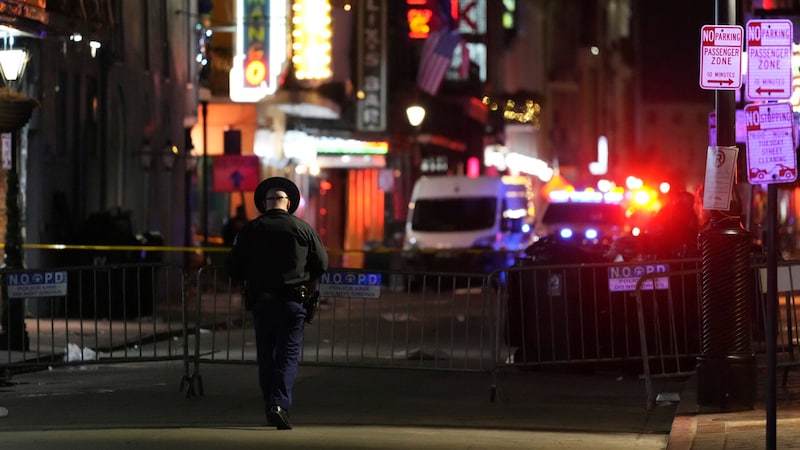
(593, 314)
(669, 329)
(787, 332)
(94, 315)
(581, 313)
(438, 321)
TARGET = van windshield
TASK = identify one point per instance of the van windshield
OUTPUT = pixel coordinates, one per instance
(454, 214)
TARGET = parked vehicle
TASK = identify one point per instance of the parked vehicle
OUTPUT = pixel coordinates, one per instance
(460, 223)
(583, 221)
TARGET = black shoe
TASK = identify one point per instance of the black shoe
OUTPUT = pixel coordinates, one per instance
(279, 417)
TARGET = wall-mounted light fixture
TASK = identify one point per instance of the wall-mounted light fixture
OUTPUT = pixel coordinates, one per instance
(168, 154)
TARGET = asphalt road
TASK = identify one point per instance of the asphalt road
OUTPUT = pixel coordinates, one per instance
(142, 406)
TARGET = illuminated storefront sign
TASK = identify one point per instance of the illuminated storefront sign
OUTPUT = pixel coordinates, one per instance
(419, 19)
(371, 107)
(311, 39)
(260, 49)
(470, 17)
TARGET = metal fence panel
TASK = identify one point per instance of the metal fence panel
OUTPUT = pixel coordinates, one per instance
(587, 313)
(111, 313)
(416, 320)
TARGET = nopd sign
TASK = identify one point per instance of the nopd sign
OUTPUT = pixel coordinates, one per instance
(624, 278)
(350, 284)
(36, 284)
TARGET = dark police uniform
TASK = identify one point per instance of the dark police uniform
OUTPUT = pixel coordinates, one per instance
(272, 254)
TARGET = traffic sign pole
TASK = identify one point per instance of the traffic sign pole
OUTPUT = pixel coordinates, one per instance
(769, 45)
(726, 369)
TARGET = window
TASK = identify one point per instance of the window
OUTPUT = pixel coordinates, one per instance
(455, 214)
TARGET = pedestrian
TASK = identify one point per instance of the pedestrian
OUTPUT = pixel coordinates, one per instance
(280, 259)
(234, 225)
(673, 231)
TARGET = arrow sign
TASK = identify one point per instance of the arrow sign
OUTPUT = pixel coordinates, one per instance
(728, 81)
(237, 178)
(769, 59)
(235, 173)
(769, 91)
(721, 57)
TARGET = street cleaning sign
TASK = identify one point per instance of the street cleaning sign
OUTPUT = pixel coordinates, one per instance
(36, 284)
(350, 284)
(624, 278)
(771, 156)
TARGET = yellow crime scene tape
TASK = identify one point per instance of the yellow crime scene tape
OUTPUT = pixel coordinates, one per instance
(167, 248)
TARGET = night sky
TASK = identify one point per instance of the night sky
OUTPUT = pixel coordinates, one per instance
(670, 48)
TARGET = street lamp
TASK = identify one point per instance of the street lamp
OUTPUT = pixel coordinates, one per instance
(415, 115)
(12, 63)
(15, 111)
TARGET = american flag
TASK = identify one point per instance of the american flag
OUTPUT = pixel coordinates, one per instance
(436, 55)
(439, 47)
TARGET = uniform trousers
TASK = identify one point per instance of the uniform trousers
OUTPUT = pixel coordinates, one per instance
(278, 322)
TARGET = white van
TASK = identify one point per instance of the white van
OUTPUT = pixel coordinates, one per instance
(463, 224)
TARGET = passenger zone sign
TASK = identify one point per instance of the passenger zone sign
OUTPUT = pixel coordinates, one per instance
(624, 278)
(770, 147)
(769, 59)
(36, 284)
(350, 284)
(721, 57)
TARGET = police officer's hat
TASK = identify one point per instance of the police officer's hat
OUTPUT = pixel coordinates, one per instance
(279, 183)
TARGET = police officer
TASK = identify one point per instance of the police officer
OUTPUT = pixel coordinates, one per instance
(280, 258)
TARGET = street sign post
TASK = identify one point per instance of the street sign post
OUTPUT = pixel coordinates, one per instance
(769, 59)
(721, 57)
(770, 148)
(741, 129)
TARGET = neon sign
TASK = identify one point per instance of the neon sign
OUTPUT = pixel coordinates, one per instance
(311, 36)
(260, 49)
(420, 16)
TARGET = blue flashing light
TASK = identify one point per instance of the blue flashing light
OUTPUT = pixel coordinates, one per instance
(587, 196)
(565, 233)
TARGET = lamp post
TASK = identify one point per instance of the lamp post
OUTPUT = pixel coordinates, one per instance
(416, 114)
(205, 96)
(15, 111)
